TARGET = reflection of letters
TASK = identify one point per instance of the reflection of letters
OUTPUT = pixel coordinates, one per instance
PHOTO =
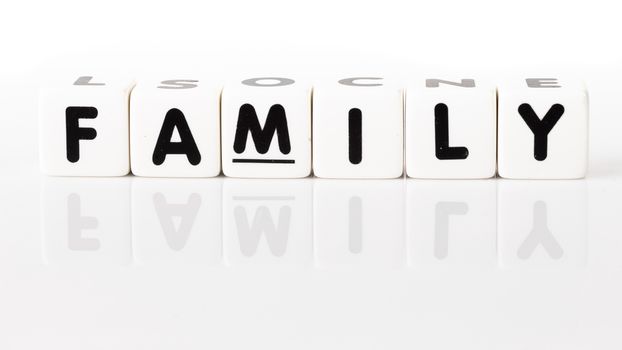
(355, 227)
(540, 234)
(186, 213)
(76, 223)
(276, 236)
(441, 223)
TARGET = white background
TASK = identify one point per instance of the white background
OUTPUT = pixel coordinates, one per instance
(394, 298)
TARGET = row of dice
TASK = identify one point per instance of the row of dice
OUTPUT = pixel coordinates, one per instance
(362, 127)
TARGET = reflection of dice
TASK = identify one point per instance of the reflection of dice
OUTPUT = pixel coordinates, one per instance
(86, 221)
(266, 128)
(177, 221)
(359, 223)
(267, 222)
(175, 128)
(543, 129)
(83, 124)
(450, 129)
(542, 223)
(357, 128)
(452, 223)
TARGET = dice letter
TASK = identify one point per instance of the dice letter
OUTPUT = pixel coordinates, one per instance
(543, 129)
(266, 128)
(357, 129)
(83, 125)
(175, 128)
(450, 129)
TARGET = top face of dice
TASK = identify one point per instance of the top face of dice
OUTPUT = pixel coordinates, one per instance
(450, 129)
(357, 128)
(543, 129)
(175, 128)
(83, 124)
(266, 128)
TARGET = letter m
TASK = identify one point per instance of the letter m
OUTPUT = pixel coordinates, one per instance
(262, 137)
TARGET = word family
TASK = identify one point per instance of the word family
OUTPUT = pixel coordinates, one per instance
(281, 127)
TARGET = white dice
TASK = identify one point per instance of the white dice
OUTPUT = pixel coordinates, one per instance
(357, 129)
(83, 125)
(450, 129)
(363, 128)
(266, 128)
(543, 129)
(175, 128)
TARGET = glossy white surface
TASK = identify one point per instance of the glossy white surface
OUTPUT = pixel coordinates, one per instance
(365, 264)
(467, 289)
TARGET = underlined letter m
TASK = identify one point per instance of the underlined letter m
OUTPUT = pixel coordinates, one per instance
(276, 122)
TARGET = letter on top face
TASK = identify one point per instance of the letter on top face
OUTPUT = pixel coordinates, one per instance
(362, 81)
(542, 83)
(178, 84)
(87, 81)
(434, 83)
(268, 82)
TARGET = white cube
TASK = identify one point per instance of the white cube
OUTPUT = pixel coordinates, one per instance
(450, 129)
(543, 129)
(357, 128)
(83, 126)
(175, 128)
(266, 128)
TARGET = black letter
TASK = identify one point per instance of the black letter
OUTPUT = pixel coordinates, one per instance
(75, 133)
(275, 122)
(540, 128)
(441, 124)
(355, 129)
(175, 119)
